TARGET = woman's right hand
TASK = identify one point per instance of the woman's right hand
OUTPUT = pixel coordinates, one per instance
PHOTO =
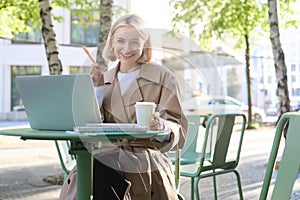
(97, 75)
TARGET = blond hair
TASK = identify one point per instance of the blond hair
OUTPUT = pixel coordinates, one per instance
(134, 21)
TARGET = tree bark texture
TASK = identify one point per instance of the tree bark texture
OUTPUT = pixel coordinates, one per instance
(106, 15)
(280, 66)
(49, 37)
(248, 78)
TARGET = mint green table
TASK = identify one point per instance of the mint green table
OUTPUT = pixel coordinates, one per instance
(81, 146)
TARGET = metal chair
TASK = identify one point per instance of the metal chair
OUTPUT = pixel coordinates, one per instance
(214, 159)
(188, 153)
(290, 160)
(67, 161)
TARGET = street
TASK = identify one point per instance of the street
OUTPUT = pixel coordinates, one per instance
(24, 164)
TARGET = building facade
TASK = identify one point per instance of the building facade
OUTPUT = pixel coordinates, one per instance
(25, 55)
(196, 72)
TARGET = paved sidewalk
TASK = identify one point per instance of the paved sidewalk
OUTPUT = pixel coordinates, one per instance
(24, 164)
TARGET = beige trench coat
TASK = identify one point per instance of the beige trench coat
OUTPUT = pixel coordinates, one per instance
(144, 161)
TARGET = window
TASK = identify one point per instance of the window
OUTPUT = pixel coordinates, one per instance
(261, 79)
(293, 67)
(217, 101)
(33, 36)
(229, 102)
(295, 91)
(20, 71)
(269, 79)
(223, 102)
(298, 92)
(293, 78)
(85, 34)
(79, 70)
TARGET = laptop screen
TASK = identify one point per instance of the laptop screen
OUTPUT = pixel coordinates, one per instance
(59, 102)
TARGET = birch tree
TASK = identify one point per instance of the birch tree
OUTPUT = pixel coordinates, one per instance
(49, 37)
(279, 62)
(106, 14)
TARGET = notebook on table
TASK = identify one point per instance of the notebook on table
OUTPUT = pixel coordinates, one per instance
(110, 127)
(59, 102)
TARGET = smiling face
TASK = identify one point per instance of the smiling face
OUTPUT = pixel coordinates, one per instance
(128, 47)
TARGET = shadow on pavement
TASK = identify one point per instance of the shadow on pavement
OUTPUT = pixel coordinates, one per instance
(27, 182)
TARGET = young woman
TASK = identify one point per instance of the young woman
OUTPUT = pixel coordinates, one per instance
(136, 168)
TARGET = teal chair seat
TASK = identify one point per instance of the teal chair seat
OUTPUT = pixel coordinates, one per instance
(192, 168)
(189, 158)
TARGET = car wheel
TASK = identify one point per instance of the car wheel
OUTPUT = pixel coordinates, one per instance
(258, 119)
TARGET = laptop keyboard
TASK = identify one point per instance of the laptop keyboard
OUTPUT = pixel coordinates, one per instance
(110, 127)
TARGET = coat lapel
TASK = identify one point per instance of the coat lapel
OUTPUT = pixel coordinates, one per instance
(122, 107)
(132, 95)
(114, 103)
(146, 76)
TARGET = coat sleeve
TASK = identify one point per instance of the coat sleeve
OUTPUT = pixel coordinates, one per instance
(170, 109)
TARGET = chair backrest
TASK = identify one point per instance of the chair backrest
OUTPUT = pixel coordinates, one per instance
(217, 140)
(290, 160)
(67, 160)
(188, 152)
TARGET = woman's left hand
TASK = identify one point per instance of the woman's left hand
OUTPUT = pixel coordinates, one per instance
(156, 123)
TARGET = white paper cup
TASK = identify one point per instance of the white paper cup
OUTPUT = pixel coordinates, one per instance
(144, 112)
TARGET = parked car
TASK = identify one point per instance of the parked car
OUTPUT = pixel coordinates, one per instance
(221, 104)
(295, 107)
(272, 111)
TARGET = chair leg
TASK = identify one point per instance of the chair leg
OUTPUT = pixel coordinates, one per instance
(238, 178)
(197, 188)
(215, 187)
(192, 188)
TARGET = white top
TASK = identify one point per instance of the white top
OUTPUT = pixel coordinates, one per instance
(125, 80)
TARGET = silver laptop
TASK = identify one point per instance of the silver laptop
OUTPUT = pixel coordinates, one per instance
(59, 102)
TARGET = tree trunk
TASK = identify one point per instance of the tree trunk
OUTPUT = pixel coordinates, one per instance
(54, 62)
(106, 15)
(248, 78)
(280, 66)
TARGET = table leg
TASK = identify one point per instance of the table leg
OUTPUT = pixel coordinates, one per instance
(177, 169)
(84, 173)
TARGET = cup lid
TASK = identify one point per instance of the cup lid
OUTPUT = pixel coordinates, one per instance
(145, 103)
